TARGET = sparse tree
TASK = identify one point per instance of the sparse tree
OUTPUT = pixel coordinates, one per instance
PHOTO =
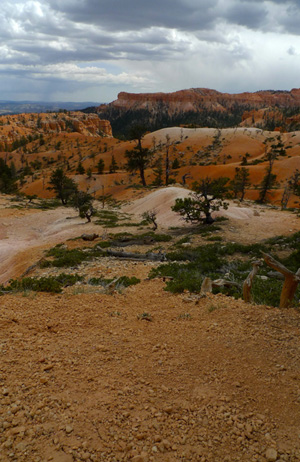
(168, 144)
(100, 166)
(63, 186)
(138, 158)
(208, 197)
(175, 164)
(151, 217)
(7, 178)
(83, 202)
(294, 182)
(240, 182)
(269, 180)
(158, 172)
(80, 168)
(89, 173)
(113, 165)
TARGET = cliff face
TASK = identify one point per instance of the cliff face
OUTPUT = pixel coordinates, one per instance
(198, 106)
(13, 127)
(196, 98)
(85, 124)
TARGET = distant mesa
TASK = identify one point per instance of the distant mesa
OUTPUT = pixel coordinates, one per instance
(201, 107)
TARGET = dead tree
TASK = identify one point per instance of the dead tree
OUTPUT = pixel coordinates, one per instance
(291, 281)
(208, 285)
(247, 286)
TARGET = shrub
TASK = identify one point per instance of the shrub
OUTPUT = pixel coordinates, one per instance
(53, 284)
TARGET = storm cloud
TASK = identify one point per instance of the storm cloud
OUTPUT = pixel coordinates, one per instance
(90, 49)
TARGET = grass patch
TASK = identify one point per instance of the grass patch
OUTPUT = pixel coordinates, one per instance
(52, 284)
(65, 258)
(185, 317)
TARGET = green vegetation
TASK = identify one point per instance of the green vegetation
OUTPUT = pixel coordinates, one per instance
(108, 218)
(8, 178)
(138, 158)
(65, 258)
(52, 284)
(187, 267)
(63, 186)
(208, 197)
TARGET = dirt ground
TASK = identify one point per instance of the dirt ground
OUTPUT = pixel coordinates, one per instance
(143, 375)
(212, 379)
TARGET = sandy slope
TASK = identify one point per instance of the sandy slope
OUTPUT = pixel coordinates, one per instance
(25, 233)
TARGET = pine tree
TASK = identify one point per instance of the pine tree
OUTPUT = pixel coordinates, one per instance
(240, 182)
(80, 168)
(113, 165)
(100, 166)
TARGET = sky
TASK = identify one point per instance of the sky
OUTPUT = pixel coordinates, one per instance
(90, 50)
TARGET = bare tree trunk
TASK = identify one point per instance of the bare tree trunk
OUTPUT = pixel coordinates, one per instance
(247, 286)
(291, 281)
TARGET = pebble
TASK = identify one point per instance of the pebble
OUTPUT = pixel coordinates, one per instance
(69, 429)
(143, 457)
(271, 454)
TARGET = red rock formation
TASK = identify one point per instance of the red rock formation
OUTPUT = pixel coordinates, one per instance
(13, 127)
(197, 98)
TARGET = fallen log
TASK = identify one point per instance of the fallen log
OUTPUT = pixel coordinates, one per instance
(208, 284)
(291, 280)
(225, 283)
(137, 256)
(247, 286)
(129, 242)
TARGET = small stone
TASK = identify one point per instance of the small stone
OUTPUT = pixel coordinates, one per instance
(69, 429)
(271, 454)
(166, 444)
(143, 457)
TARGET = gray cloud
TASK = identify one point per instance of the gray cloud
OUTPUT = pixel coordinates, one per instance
(132, 15)
(53, 41)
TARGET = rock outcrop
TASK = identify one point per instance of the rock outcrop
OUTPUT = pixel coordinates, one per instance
(16, 127)
(199, 106)
(196, 98)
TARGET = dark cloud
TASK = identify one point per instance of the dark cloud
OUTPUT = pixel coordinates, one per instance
(247, 14)
(121, 15)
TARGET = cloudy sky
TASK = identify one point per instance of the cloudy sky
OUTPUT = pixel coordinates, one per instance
(89, 50)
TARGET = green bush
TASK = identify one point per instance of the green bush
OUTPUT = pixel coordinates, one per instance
(53, 284)
(65, 258)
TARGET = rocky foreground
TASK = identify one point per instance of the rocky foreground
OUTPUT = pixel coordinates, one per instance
(145, 375)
